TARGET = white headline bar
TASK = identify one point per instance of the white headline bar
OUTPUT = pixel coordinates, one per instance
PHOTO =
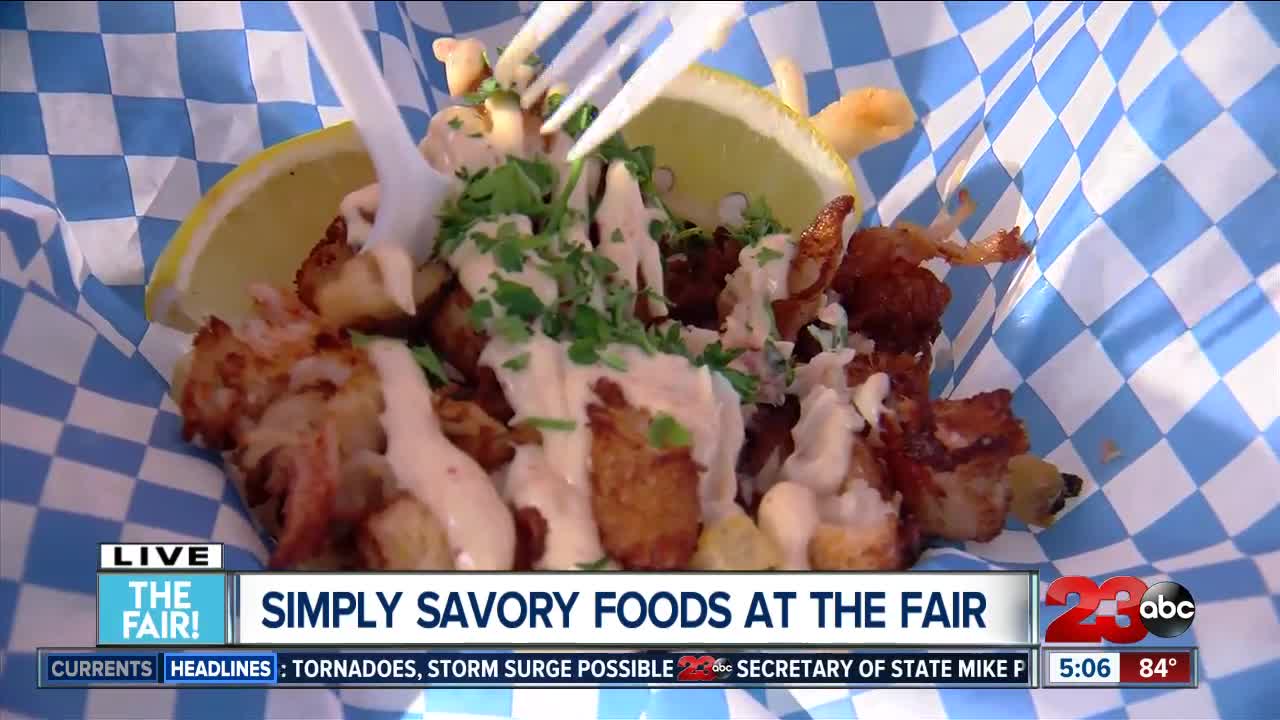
(636, 609)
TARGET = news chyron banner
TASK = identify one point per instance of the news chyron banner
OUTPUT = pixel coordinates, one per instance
(162, 595)
(171, 615)
(622, 609)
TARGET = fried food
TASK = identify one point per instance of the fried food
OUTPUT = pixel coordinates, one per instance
(475, 432)
(865, 118)
(696, 277)
(630, 384)
(346, 288)
(404, 535)
(950, 459)
(818, 254)
(734, 543)
(899, 307)
(645, 499)
(451, 331)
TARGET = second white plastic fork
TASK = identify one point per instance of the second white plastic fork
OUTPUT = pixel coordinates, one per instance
(696, 26)
(409, 190)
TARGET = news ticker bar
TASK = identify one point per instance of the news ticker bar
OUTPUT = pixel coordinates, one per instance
(91, 668)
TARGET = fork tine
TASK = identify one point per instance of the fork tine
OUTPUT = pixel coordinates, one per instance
(627, 45)
(546, 19)
(600, 22)
(676, 53)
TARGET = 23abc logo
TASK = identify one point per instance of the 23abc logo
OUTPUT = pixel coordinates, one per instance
(702, 668)
(1165, 609)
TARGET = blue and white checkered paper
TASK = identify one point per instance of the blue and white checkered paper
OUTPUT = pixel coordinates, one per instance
(1136, 144)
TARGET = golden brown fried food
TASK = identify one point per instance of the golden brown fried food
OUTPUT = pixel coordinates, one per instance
(474, 432)
(735, 543)
(404, 535)
(452, 335)
(842, 547)
(323, 262)
(872, 249)
(865, 118)
(645, 499)
(899, 307)
(868, 534)
(694, 280)
(306, 475)
(818, 256)
(234, 375)
(950, 460)
(346, 288)
(908, 374)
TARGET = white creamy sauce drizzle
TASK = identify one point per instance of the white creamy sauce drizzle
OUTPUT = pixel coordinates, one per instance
(833, 314)
(697, 339)
(453, 486)
(449, 149)
(357, 209)
(753, 287)
(476, 268)
(823, 436)
(572, 537)
(553, 386)
(637, 254)
(813, 487)
(789, 516)
(869, 398)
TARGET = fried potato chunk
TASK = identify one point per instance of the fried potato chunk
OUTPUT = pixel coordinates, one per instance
(474, 432)
(233, 376)
(695, 280)
(306, 474)
(951, 463)
(645, 499)
(404, 535)
(346, 288)
(451, 333)
(862, 525)
(734, 543)
(842, 547)
(899, 307)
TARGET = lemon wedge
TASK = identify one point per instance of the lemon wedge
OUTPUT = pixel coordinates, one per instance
(257, 224)
(720, 135)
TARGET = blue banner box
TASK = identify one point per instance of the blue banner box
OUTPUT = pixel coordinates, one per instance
(162, 609)
(92, 669)
(220, 668)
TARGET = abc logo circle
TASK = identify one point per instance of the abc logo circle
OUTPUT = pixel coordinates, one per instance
(1167, 609)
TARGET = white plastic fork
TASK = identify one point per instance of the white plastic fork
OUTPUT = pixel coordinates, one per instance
(409, 189)
(696, 26)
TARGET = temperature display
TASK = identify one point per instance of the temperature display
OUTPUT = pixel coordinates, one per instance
(1156, 667)
(1110, 667)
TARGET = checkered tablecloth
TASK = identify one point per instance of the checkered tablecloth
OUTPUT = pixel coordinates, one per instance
(1136, 144)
